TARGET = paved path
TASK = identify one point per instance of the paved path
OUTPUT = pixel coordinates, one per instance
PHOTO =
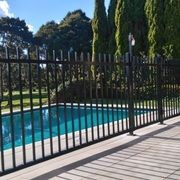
(154, 153)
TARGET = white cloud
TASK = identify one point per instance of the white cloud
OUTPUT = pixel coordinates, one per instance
(31, 28)
(4, 9)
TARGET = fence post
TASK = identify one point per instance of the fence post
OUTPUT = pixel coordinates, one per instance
(159, 89)
(1, 84)
(130, 95)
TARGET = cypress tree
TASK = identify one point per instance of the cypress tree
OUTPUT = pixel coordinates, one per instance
(155, 18)
(140, 27)
(112, 26)
(122, 28)
(172, 28)
(100, 28)
(130, 17)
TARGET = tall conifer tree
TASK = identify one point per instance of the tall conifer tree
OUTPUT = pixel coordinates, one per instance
(100, 28)
(172, 28)
(155, 18)
(130, 17)
(112, 26)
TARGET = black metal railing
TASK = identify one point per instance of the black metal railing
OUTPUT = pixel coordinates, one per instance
(53, 103)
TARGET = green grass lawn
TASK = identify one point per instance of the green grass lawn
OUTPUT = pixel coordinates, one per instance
(26, 100)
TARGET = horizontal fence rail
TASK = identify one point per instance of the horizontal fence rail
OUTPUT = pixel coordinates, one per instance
(53, 103)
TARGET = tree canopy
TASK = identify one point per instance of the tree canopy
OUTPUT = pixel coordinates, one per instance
(14, 32)
(73, 32)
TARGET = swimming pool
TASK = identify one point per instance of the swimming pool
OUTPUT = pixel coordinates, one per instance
(60, 120)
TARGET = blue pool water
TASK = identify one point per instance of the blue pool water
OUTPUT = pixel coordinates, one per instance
(79, 122)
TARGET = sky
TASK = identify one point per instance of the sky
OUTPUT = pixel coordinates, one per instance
(38, 12)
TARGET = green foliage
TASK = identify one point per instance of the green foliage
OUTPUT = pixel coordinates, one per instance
(130, 17)
(112, 26)
(155, 17)
(100, 28)
(172, 28)
(46, 34)
(163, 22)
(118, 24)
(74, 31)
(14, 32)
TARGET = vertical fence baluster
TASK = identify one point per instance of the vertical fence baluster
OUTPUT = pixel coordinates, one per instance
(21, 106)
(97, 103)
(149, 85)
(135, 79)
(121, 92)
(84, 95)
(1, 81)
(40, 106)
(116, 86)
(1, 124)
(31, 98)
(172, 91)
(102, 89)
(78, 70)
(76, 80)
(32, 110)
(111, 61)
(146, 93)
(56, 67)
(166, 90)
(71, 97)
(125, 78)
(49, 102)
(143, 92)
(154, 85)
(10, 102)
(106, 87)
(64, 98)
(91, 94)
(175, 93)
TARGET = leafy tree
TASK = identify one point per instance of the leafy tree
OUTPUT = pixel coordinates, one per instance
(112, 26)
(73, 32)
(100, 28)
(76, 31)
(130, 17)
(46, 34)
(14, 32)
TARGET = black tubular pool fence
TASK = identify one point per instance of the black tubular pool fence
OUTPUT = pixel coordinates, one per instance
(54, 102)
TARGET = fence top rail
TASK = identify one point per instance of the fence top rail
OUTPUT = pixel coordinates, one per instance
(84, 62)
(63, 62)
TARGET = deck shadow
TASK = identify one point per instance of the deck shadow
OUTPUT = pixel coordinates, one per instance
(82, 162)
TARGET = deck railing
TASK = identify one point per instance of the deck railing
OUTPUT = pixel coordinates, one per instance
(53, 103)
